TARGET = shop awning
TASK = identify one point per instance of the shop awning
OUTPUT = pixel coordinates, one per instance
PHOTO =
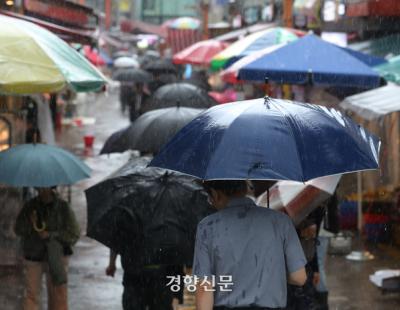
(142, 27)
(374, 103)
(236, 34)
(66, 33)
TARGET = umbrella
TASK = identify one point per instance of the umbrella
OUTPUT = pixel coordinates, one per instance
(269, 139)
(34, 60)
(126, 62)
(390, 71)
(150, 212)
(40, 165)
(199, 53)
(93, 56)
(184, 23)
(299, 199)
(252, 43)
(132, 75)
(160, 66)
(230, 74)
(309, 60)
(184, 94)
(151, 130)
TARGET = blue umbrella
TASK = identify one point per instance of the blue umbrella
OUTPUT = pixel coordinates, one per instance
(40, 165)
(269, 139)
(315, 61)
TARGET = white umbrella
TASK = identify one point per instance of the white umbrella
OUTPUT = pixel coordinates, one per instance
(126, 62)
(299, 199)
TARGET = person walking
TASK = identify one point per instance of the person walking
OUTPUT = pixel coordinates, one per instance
(248, 251)
(144, 284)
(48, 229)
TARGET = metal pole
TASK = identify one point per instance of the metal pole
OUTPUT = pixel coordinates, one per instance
(359, 202)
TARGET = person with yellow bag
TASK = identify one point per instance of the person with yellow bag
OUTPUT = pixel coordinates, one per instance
(48, 229)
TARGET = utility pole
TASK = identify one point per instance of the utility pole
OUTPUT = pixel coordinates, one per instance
(205, 5)
(288, 13)
(108, 12)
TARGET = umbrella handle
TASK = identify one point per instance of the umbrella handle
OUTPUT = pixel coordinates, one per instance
(35, 223)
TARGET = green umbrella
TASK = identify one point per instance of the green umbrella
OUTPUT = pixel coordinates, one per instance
(40, 165)
(390, 70)
(34, 60)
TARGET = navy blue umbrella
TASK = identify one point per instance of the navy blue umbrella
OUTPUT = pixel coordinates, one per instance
(313, 60)
(269, 139)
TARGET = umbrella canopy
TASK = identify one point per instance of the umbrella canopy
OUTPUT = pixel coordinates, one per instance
(152, 130)
(184, 23)
(126, 62)
(34, 60)
(40, 165)
(182, 94)
(252, 43)
(230, 74)
(160, 66)
(374, 103)
(132, 75)
(390, 71)
(269, 139)
(299, 199)
(200, 53)
(309, 60)
(150, 212)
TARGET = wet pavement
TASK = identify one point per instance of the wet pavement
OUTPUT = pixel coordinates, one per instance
(89, 288)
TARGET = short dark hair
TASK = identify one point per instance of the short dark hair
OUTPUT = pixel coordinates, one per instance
(228, 187)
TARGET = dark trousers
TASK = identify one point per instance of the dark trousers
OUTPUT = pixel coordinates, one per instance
(302, 297)
(147, 290)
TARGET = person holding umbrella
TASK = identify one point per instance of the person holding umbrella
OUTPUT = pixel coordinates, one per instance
(46, 224)
(48, 229)
(244, 249)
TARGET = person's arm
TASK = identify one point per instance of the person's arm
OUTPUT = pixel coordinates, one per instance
(294, 255)
(204, 297)
(69, 232)
(23, 225)
(298, 277)
(112, 267)
(202, 269)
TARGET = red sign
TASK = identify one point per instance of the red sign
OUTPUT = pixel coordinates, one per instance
(58, 10)
(373, 8)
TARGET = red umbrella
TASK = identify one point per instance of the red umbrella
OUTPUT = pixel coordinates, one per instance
(200, 53)
(93, 56)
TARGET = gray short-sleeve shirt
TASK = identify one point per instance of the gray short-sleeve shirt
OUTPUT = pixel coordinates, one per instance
(254, 245)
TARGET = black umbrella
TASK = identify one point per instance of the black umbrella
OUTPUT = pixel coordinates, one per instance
(116, 143)
(160, 66)
(150, 212)
(150, 131)
(132, 75)
(185, 94)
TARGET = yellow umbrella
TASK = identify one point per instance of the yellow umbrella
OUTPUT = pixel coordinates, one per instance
(33, 60)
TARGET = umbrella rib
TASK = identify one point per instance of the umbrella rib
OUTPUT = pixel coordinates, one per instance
(280, 109)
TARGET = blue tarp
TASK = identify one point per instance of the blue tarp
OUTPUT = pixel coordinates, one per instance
(311, 60)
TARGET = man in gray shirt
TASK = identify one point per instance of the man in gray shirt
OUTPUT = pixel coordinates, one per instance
(244, 254)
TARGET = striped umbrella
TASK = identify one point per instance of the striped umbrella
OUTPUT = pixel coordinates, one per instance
(230, 74)
(252, 43)
(199, 53)
(34, 60)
